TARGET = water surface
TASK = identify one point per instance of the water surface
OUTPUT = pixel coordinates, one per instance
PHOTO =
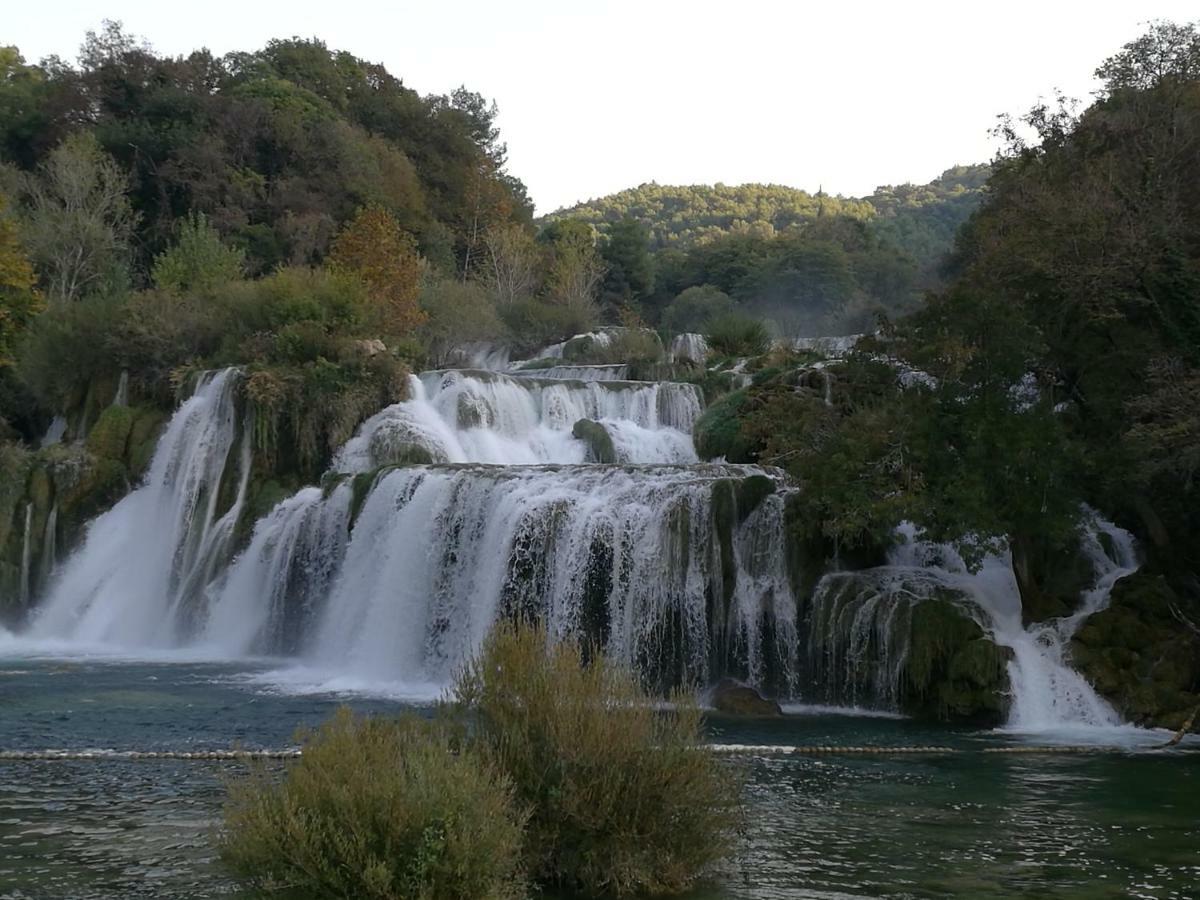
(964, 824)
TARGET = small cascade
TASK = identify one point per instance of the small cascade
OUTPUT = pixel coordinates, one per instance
(689, 347)
(455, 416)
(861, 626)
(1047, 692)
(144, 563)
(55, 432)
(121, 398)
(49, 557)
(26, 556)
(614, 372)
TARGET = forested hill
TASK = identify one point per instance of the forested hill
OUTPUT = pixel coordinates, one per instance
(919, 219)
(277, 147)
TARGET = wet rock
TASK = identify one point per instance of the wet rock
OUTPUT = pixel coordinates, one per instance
(599, 441)
(736, 699)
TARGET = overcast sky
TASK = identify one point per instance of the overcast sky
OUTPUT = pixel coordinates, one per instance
(598, 96)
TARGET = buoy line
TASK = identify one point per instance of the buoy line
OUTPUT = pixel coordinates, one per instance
(723, 749)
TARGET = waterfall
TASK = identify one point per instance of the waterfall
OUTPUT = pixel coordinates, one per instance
(142, 565)
(26, 554)
(860, 626)
(121, 398)
(664, 565)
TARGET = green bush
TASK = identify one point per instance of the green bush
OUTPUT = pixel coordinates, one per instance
(694, 308)
(719, 432)
(623, 798)
(377, 809)
(736, 334)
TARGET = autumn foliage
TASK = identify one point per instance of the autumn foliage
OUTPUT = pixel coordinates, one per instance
(19, 302)
(374, 248)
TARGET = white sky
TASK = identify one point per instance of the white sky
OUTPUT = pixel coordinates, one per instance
(598, 96)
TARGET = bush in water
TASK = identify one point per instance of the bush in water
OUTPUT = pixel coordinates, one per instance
(378, 809)
(623, 797)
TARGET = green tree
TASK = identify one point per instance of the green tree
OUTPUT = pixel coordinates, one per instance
(629, 269)
(77, 221)
(199, 260)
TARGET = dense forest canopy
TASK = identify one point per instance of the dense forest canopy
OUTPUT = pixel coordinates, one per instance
(277, 147)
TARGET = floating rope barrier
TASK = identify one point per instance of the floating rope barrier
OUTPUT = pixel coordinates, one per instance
(723, 749)
(103, 755)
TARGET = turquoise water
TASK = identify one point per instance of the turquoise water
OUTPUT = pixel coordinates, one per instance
(965, 824)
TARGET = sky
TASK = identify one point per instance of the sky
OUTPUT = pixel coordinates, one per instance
(599, 96)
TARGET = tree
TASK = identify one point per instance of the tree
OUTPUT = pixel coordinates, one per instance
(695, 307)
(374, 248)
(630, 270)
(198, 260)
(513, 262)
(576, 269)
(19, 300)
(77, 221)
(457, 312)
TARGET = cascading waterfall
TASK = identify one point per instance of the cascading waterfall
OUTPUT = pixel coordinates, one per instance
(137, 579)
(662, 564)
(478, 498)
(601, 372)
(469, 501)
(860, 626)
(455, 416)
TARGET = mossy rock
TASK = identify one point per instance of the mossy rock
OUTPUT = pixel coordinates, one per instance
(953, 670)
(1138, 655)
(736, 699)
(599, 442)
(750, 492)
(143, 438)
(102, 483)
(109, 436)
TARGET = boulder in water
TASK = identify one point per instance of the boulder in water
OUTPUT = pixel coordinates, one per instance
(736, 699)
(599, 441)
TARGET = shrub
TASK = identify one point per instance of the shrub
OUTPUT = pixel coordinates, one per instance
(736, 334)
(694, 308)
(622, 797)
(540, 321)
(719, 433)
(377, 809)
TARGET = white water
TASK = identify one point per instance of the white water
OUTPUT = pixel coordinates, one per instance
(601, 372)
(689, 347)
(861, 626)
(438, 554)
(143, 562)
(459, 417)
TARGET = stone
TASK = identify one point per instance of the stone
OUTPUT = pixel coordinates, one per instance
(736, 699)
